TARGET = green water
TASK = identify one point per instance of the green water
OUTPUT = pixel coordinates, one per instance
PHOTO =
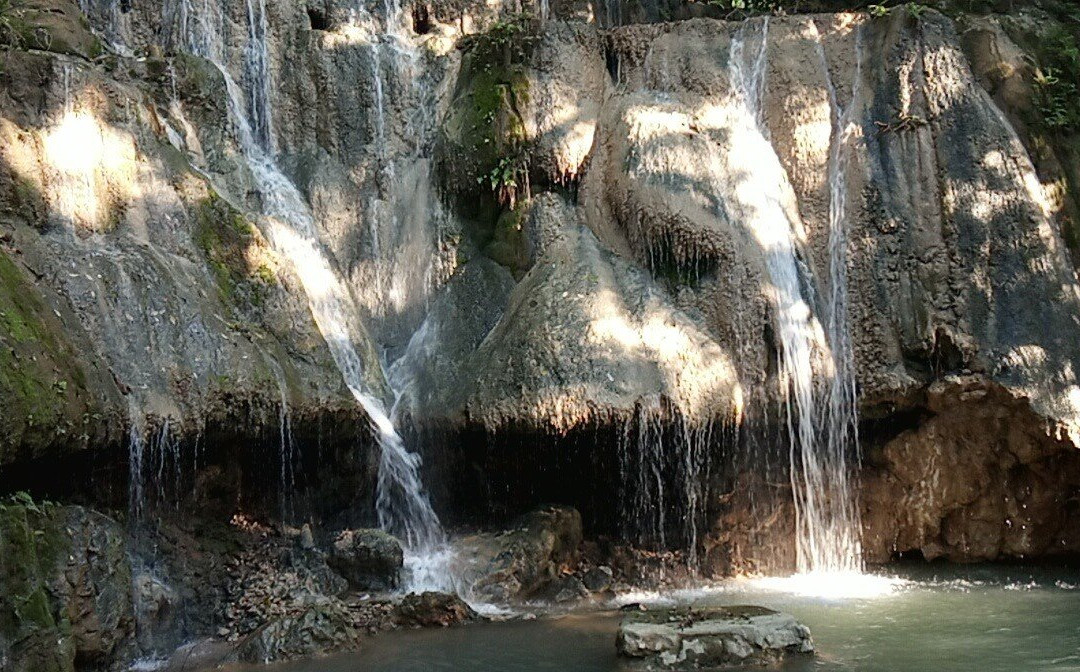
(984, 620)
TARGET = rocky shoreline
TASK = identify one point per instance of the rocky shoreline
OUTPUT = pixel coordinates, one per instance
(200, 593)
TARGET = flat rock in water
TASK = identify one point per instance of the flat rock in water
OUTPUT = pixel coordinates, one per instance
(690, 639)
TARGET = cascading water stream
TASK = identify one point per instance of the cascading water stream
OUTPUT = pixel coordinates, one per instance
(819, 428)
(843, 422)
(402, 505)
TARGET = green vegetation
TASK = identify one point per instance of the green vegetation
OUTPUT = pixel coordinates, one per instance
(1057, 81)
(32, 542)
(234, 251)
(488, 121)
(41, 383)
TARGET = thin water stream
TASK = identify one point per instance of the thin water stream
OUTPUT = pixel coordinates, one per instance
(985, 619)
(402, 504)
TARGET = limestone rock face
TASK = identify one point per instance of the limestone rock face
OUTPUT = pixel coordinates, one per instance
(516, 564)
(976, 481)
(713, 638)
(123, 252)
(368, 559)
(66, 598)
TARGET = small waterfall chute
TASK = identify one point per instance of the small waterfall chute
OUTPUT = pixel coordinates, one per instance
(403, 506)
(819, 414)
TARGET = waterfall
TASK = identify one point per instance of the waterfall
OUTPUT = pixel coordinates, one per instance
(402, 505)
(819, 427)
(257, 76)
(287, 448)
(843, 427)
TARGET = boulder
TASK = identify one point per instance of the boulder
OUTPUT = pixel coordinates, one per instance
(324, 627)
(368, 559)
(431, 608)
(686, 639)
(598, 579)
(521, 562)
(66, 596)
(566, 588)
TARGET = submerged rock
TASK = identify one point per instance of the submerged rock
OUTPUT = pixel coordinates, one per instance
(431, 608)
(683, 639)
(368, 559)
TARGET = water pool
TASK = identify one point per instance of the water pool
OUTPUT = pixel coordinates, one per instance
(978, 619)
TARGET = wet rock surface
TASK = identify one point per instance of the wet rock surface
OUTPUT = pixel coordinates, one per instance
(368, 559)
(516, 564)
(320, 629)
(686, 639)
(432, 609)
(65, 601)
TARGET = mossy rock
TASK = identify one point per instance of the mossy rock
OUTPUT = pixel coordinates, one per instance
(509, 245)
(236, 252)
(53, 393)
(484, 127)
(65, 587)
(52, 25)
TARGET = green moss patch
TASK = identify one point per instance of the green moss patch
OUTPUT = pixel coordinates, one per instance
(30, 543)
(234, 250)
(485, 141)
(43, 385)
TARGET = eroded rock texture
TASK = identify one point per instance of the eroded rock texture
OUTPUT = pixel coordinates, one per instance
(66, 599)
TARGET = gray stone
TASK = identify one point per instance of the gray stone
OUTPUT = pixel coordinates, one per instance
(598, 579)
(432, 608)
(566, 588)
(368, 559)
(66, 581)
(155, 604)
(324, 627)
(306, 540)
(683, 639)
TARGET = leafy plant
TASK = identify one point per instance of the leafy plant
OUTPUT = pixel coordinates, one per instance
(25, 500)
(915, 10)
(747, 6)
(879, 11)
(504, 178)
(1057, 82)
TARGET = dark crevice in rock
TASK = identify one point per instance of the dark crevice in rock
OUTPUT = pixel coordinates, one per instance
(229, 466)
(632, 479)
(880, 426)
(421, 19)
(317, 19)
